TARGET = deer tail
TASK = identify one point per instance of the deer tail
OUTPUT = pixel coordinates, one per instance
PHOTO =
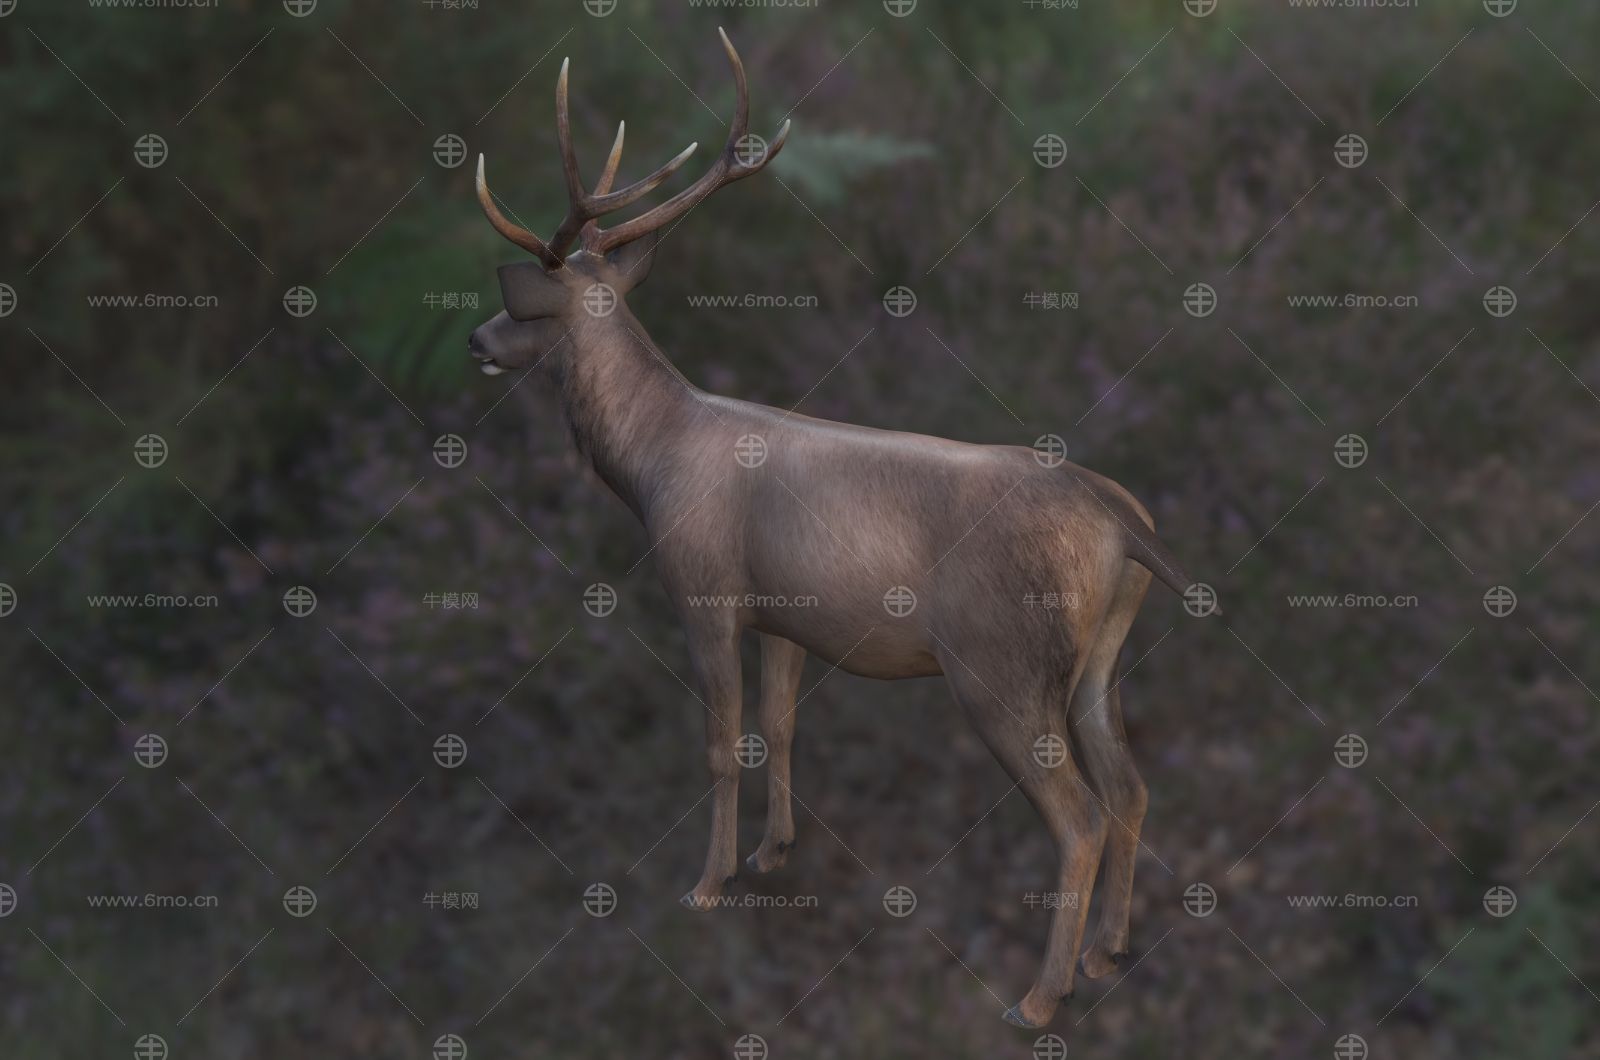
(1146, 549)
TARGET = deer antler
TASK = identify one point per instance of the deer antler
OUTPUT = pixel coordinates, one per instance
(516, 233)
(729, 167)
(584, 208)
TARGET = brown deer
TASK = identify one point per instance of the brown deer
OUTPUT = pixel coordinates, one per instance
(915, 555)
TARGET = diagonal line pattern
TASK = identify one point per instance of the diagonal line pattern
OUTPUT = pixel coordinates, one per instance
(80, 81)
(974, 375)
(224, 225)
(74, 228)
(830, 971)
(74, 526)
(975, 77)
(1124, 76)
(395, 696)
(375, 77)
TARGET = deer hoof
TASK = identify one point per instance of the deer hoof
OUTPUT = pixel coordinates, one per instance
(696, 903)
(1097, 963)
(754, 864)
(762, 862)
(1014, 1016)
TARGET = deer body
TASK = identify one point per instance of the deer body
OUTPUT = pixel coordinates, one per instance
(889, 555)
(835, 512)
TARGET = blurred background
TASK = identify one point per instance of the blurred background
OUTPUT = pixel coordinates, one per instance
(301, 590)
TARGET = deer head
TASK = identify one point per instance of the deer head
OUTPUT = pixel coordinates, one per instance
(548, 298)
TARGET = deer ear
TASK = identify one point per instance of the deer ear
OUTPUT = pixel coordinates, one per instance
(632, 261)
(528, 292)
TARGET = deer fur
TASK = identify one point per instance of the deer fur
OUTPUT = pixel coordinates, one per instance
(845, 514)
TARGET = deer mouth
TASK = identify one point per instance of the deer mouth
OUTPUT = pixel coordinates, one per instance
(486, 362)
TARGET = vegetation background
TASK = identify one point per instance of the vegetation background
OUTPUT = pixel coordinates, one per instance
(1200, 149)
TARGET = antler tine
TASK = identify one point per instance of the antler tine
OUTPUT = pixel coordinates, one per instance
(603, 185)
(583, 212)
(725, 170)
(584, 208)
(741, 108)
(613, 160)
(515, 233)
(569, 157)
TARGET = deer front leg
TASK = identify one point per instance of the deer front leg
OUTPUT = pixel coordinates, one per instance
(781, 663)
(714, 653)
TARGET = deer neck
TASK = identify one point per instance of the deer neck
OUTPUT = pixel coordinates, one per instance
(625, 403)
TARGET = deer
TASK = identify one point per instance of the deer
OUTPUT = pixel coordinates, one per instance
(914, 554)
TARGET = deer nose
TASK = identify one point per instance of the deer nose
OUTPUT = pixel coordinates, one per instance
(475, 346)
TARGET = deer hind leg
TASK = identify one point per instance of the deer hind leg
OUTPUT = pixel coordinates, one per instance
(1095, 719)
(781, 663)
(714, 653)
(1059, 794)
